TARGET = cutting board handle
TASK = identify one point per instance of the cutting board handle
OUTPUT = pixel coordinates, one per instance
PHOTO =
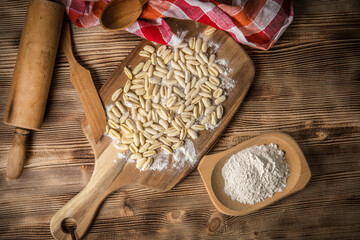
(82, 208)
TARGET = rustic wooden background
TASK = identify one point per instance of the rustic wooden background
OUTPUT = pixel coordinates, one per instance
(307, 85)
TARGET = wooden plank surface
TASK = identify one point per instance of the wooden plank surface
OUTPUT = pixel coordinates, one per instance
(307, 85)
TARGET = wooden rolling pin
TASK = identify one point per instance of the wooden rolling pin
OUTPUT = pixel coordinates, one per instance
(32, 76)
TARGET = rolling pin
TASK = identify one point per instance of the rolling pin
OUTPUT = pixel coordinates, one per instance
(32, 76)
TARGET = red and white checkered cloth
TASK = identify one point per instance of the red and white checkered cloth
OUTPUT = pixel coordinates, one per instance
(256, 23)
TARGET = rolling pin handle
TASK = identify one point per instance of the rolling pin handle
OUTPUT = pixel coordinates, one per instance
(17, 153)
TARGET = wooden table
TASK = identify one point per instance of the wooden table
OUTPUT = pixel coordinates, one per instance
(307, 85)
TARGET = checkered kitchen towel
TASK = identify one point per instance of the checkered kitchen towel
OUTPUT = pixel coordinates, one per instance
(256, 23)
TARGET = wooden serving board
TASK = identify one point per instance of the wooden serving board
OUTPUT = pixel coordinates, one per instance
(242, 73)
(110, 173)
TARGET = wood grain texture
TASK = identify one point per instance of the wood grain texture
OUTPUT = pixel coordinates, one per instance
(307, 85)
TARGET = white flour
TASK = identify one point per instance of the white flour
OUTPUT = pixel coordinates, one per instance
(227, 83)
(255, 173)
(210, 127)
(161, 161)
(184, 155)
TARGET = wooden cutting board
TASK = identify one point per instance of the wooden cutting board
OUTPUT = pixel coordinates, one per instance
(242, 72)
(110, 173)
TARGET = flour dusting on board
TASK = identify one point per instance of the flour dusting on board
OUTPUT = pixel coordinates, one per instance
(213, 47)
(124, 156)
(161, 162)
(182, 34)
(225, 64)
(211, 127)
(227, 83)
(184, 155)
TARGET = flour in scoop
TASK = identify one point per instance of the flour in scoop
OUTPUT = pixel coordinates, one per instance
(255, 173)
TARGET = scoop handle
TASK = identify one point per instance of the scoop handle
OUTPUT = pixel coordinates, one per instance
(66, 45)
(17, 153)
(84, 86)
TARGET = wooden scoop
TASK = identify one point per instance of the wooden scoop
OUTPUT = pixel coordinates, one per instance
(210, 169)
(84, 85)
(119, 14)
